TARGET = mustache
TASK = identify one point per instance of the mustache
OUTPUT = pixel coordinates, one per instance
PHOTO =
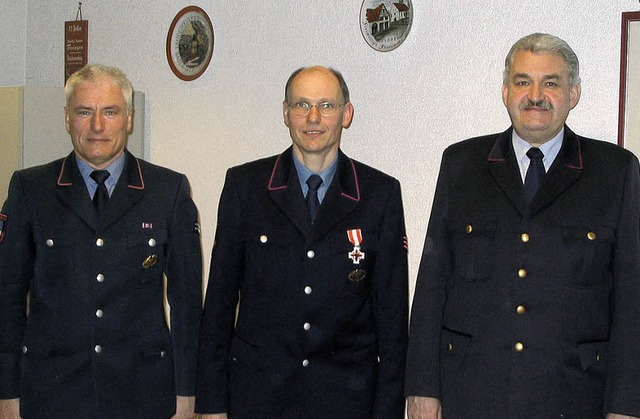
(539, 104)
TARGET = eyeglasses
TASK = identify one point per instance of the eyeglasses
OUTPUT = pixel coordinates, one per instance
(325, 108)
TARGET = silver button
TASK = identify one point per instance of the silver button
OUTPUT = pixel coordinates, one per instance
(25, 349)
(97, 349)
(100, 278)
(307, 326)
(49, 242)
(311, 254)
(152, 242)
(305, 363)
(99, 242)
(99, 313)
(307, 290)
(162, 354)
(264, 239)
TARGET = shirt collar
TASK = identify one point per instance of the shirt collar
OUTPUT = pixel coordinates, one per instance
(115, 169)
(304, 173)
(550, 149)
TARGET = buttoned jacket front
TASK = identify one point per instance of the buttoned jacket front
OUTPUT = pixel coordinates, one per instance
(530, 311)
(96, 343)
(317, 334)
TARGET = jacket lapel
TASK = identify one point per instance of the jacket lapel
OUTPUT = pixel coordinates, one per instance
(128, 191)
(564, 172)
(505, 172)
(341, 198)
(284, 189)
(72, 191)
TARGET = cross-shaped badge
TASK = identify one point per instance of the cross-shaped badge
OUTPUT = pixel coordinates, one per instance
(356, 255)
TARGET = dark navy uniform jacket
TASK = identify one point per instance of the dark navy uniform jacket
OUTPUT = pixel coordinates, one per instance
(96, 343)
(530, 311)
(317, 335)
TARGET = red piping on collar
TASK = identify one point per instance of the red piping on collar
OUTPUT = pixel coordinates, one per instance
(64, 163)
(141, 187)
(273, 173)
(355, 176)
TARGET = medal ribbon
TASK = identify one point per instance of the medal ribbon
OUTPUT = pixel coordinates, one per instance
(355, 236)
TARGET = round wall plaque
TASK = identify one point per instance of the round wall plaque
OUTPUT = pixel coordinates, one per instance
(190, 43)
(385, 25)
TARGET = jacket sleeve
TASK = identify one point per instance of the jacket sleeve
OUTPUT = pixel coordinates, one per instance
(221, 300)
(423, 358)
(16, 269)
(184, 287)
(391, 307)
(622, 394)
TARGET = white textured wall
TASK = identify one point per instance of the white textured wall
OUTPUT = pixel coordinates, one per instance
(441, 86)
(13, 16)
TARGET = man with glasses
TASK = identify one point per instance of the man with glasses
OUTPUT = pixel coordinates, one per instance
(310, 253)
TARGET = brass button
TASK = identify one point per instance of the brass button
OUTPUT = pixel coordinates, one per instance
(519, 347)
(521, 309)
(591, 235)
(469, 229)
(522, 273)
(450, 347)
(524, 237)
(264, 239)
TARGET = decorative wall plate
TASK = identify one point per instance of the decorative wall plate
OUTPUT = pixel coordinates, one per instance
(190, 43)
(385, 24)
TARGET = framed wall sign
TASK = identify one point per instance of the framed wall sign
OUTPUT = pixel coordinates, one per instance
(629, 110)
(190, 43)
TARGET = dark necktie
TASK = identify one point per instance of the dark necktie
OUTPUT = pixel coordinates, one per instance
(535, 173)
(101, 197)
(313, 203)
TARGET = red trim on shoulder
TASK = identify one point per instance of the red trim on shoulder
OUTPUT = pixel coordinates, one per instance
(141, 186)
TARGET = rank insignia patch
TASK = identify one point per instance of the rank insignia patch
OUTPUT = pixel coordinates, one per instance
(3, 226)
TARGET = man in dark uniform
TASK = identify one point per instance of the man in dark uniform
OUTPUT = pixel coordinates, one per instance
(95, 342)
(321, 325)
(527, 299)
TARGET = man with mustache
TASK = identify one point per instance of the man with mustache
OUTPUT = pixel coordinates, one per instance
(526, 304)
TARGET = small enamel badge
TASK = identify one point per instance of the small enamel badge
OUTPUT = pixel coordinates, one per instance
(355, 237)
(3, 226)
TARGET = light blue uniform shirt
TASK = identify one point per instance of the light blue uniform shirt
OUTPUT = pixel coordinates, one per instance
(114, 169)
(304, 173)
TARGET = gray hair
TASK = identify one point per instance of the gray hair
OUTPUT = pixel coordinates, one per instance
(92, 72)
(541, 43)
